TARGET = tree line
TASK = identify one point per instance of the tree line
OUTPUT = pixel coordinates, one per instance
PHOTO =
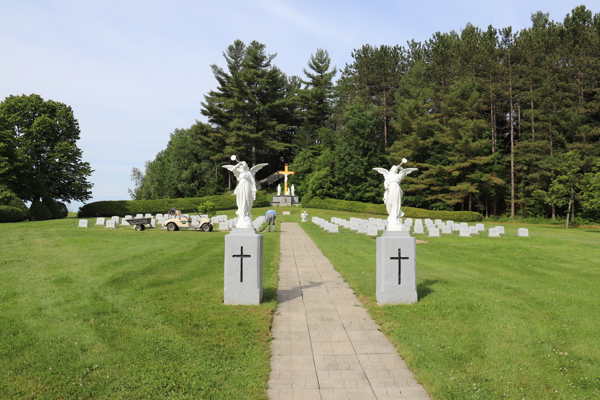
(497, 121)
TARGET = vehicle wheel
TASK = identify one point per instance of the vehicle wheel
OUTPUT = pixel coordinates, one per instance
(139, 227)
(206, 227)
(211, 227)
(171, 226)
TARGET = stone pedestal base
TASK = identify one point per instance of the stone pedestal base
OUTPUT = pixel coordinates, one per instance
(286, 200)
(396, 268)
(244, 267)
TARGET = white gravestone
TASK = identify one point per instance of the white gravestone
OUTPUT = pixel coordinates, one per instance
(455, 227)
(83, 223)
(285, 213)
(480, 227)
(493, 232)
(110, 224)
(418, 229)
(500, 229)
(473, 230)
(524, 232)
(434, 232)
(333, 228)
(139, 216)
(372, 230)
(244, 267)
(100, 221)
(362, 228)
(116, 219)
(124, 222)
(464, 233)
(464, 225)
(128, 217)
(396, 280)
(147, 215)
(446, 230)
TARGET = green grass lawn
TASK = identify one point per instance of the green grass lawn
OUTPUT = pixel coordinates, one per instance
(119, 314)
(497, 318)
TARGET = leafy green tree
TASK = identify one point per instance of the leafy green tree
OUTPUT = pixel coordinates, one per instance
(43, 139)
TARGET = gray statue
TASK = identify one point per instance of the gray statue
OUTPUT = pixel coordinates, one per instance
(245, 191)
(392, 197)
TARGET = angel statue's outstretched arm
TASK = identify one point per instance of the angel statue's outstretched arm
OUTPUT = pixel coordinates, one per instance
(232, 168)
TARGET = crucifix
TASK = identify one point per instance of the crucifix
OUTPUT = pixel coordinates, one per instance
(399, 258)
(241, 257)
(285, 174)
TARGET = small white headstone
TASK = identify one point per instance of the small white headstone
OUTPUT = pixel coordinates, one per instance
(153, 223)
(372, 230)
(159, 216)
(223, 226)
(285, 212)
(500, 229)
(480, 227)
(100, 221)
(455, 227)
(116, 219)
(110, 224)
(449, 222)
(333, 228)
(464, 225)
(362, 228)
(434, 232)
(418, 221)
(124, 222)
(464, 233)
(524, 232)
(473, 230)
(428, 221)
(83, 223)
(128, 217)
(446, 230)
(493, 232)
(139, 216)
(438, 221)
(418, 229)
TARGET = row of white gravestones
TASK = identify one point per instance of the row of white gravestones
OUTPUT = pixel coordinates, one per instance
(328, 226)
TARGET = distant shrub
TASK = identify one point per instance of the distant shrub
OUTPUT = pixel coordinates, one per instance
(409, 212)
(64, 211)
(39, 212)
(132, 207)
(14, 201)
(52, 205)
(11, 214)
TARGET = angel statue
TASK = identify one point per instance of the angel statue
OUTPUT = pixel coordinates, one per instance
(392, 197)
(245, 191)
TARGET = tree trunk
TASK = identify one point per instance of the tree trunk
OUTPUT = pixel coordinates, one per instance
(553, 212)
(568, 213)
(493, 118)
(470, 202)
(512, 150)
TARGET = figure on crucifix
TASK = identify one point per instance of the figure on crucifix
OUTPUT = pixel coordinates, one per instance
(285, 174)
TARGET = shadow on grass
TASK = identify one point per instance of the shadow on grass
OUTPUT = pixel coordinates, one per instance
(593, 230)
(269, 294)
(424, 288)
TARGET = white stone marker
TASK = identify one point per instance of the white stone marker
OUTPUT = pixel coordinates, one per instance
(473, 230)
(464, 233)
(223, 226)
(396, 268)
(100, 221)
(480, 227)
(110, 224)
(139, 216)
(153, 223)
(286, 213)
(434, 232)
(500, 229)
(464, 225)
(446, 230)
(524, 232)
(244, 267)
(159, 216)
(116, 219)
(455, 227)
(418, 229)
(493, 232)
(333, 228)
(372, 230)
(128, 217)
(124, 222)
(83, 223)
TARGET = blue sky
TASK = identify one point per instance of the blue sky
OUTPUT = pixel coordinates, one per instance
(134, 71)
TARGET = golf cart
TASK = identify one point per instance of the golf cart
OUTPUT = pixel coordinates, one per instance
(177, 221)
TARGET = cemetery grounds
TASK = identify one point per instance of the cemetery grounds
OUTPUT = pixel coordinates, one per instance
(113, 313)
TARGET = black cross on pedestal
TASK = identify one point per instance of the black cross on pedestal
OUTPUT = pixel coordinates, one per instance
(399, 258)
(241, 257)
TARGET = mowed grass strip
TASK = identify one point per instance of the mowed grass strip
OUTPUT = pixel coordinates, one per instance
(119, 314)
(497, 318)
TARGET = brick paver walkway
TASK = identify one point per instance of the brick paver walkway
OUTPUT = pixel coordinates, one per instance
(326, 346)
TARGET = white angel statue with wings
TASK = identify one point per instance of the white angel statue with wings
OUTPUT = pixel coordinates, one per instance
(392, 197)
(245, 191)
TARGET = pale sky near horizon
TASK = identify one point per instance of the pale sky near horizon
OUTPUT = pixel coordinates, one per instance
(134, 71)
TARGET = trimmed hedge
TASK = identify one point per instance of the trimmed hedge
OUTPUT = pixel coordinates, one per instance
(133, 207)
(52, 205)
(15, 202)
(39, 212)
(64, 211)
(11, 214)
(409, 212)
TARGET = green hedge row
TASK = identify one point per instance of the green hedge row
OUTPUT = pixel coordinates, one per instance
(133, 207)
(409, 212)
(11, 214)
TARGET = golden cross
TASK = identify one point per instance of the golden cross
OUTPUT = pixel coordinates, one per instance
(285, 174)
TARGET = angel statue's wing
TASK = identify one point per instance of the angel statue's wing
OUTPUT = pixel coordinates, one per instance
(232, 168)
(257, 168)
(409, 170)
(382, 171)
